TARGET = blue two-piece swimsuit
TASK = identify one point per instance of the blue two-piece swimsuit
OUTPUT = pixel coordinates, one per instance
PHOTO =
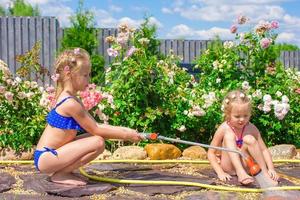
(56, 120)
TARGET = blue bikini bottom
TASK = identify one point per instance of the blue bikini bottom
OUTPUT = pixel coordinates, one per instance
(38, 153)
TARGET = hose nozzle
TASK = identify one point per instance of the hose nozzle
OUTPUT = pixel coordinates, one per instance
(149, 136)
(254, 168)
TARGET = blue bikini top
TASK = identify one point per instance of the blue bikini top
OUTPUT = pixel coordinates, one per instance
(58, 121)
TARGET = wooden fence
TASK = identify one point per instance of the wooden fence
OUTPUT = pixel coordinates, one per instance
(19, 34)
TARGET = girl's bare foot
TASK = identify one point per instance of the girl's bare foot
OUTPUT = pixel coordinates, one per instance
(67, 179)
(245, 179)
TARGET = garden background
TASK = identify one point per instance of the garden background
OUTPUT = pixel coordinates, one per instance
(142, 84)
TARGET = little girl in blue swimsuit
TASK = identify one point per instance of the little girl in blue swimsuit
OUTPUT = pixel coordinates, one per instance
(59, 151)
(237, 132)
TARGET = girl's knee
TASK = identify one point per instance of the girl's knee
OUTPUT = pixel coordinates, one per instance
(98, 143)
(250, 139)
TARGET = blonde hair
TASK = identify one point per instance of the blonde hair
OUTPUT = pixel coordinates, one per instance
(68, 60)
(235, 96)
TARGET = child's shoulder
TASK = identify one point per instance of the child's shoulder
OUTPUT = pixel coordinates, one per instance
(69, 103)
(222, 127)
(251, 128)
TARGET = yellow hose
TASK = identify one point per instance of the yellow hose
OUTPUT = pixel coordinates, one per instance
(151, 182)
(145, 161)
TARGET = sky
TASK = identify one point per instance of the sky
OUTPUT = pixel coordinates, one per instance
(183, 19)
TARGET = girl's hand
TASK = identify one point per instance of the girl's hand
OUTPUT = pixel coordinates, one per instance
(224, 176)
(272, 173)
(131, 134)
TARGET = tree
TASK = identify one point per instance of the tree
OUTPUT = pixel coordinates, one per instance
(2, 11)
(83, 33)
(21, 8)
(286, 47)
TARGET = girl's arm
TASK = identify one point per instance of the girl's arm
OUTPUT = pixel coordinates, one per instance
(88, 123)
(265, 151)
(211, 153)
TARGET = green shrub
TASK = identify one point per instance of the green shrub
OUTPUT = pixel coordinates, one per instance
(83, 34)
(22, 119)
(249, 63)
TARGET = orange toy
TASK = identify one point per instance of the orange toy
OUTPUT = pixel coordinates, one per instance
(254, 169)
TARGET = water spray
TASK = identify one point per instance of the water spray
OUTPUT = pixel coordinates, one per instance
(254, 169)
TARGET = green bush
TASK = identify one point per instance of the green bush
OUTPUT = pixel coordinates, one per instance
(22, 119)
(249, 63)
(148, 94)
(83, 34)
(155, 95)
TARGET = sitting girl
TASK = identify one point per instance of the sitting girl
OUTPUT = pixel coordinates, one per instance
(238, 132)
(59, 151)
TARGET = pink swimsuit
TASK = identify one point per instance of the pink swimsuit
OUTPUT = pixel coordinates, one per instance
(239, 141)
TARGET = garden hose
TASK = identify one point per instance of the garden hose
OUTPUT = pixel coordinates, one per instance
(151, 182)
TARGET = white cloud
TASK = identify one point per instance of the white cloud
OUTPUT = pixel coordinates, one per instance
(291, 22)
(184, 31)
(140, 9)
(115, 8)
(166, 11)
(236, 2)
(285, 37)
(227, 11)
(136, 23)
(59, 10)
(129, 21)
(104, 18)
(38, 2)
(156, 22)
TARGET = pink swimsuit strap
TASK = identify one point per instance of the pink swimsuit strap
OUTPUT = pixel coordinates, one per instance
(239, 141)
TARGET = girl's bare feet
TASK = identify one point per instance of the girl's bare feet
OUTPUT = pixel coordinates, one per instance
(67, 179)
(245, 179)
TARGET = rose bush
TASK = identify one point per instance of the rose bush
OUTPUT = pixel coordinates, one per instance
(22, 119)
(249, 63)
(150, 94)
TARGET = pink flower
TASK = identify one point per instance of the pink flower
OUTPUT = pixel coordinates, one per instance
(112, 52)
(130, 52)
(50, 89)
(274, 24)
(9, 96)
(90, 97)
(297, 91)
(77, 51)
(242, 19)
(2, 89)
(233, 28)
(92, 86)
(67, 68)
(55, 77)
(265, 43)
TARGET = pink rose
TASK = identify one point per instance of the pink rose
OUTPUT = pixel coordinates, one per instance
(112, 52)
(131, 51)
(265, 43)
(90, 97)
(9, 96)
(274, 24)
(242, 19)
(297, 91)
(67, 68)
(55, 77)
(233, 28)
(2, 89)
